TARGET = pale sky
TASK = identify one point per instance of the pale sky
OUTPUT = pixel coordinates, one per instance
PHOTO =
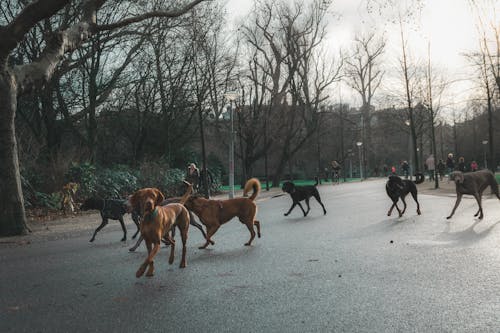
(449, 25)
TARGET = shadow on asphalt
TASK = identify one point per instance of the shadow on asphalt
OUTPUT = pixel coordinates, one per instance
(469, 235)
(212, 254)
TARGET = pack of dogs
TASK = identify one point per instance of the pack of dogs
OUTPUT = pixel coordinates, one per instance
(156, 217)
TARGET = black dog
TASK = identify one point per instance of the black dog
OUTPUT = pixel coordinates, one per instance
(111, 209)
(300, 193)
(397, 188)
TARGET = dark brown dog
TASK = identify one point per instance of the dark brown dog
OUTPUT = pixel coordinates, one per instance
(302, 193)
(214, 213)
(398, 188)
(157, 221)
(473, 183)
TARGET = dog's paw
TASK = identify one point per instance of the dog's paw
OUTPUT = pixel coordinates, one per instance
(247, 244)
(91, 240)
(132, 249)
(140, 271)
(124, 239)
(182, 265)
(448, 217)
(286, 214)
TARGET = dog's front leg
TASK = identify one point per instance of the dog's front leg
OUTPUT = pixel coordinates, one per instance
(291, 208)
(145, 264)
(394, 204)
(151, 256)
(133, 248)
(459, 198)
(103, 224)
(303, 211)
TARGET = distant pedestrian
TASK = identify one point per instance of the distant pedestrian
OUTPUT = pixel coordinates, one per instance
(393, 170)
(193, 175)
(335, 172)
(205, 174)
(440, 168)
(406, 169)
(450, 163)
(386, 170)
(461, 164)
(431, 166)
(474, 166)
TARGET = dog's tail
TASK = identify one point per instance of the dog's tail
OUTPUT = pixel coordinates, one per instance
(252, 184)
(419, 178)
(186, 195)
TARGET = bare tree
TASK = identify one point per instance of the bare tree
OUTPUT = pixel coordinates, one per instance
(364, 75)
(16, 80)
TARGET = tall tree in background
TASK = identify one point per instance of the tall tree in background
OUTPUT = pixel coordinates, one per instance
(364, 75)
(16, 80)
(409, 93)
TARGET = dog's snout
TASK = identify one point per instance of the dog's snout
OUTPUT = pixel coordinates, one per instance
(149, 205)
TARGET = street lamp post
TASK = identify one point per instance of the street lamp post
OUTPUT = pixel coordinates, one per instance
(410, 147)
(231, 96)
(359, 144)
(485, 142)
(349, 151)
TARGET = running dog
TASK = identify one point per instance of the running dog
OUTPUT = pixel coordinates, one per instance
(111, 209)
(302, 193)
(157, 222)
(473, 183)
(192, 221)
(214, 213)
(398, 188)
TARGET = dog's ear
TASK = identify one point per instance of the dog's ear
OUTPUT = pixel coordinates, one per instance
(159, 197)
(133, 202)
(457, 176)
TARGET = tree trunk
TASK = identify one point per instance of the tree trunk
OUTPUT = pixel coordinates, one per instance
(12, 214)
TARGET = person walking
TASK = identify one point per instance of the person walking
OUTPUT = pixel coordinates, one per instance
(474, 166)
(461, 164)
(431, 166)
(450, 163)
(440, 168)
(193, 176)
(335, 172)
(406, 169)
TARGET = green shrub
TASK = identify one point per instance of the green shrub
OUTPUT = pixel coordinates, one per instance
(85, 175)
(115, 183)
(159, 175)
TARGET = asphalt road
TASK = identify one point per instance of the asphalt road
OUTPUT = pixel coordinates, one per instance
(353, 270)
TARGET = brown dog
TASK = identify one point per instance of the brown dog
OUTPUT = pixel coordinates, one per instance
(214, 213)
(157, 221)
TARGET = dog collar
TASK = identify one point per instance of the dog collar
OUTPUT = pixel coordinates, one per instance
(151, 216)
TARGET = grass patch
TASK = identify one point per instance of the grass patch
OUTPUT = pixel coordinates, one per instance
(298, 182)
